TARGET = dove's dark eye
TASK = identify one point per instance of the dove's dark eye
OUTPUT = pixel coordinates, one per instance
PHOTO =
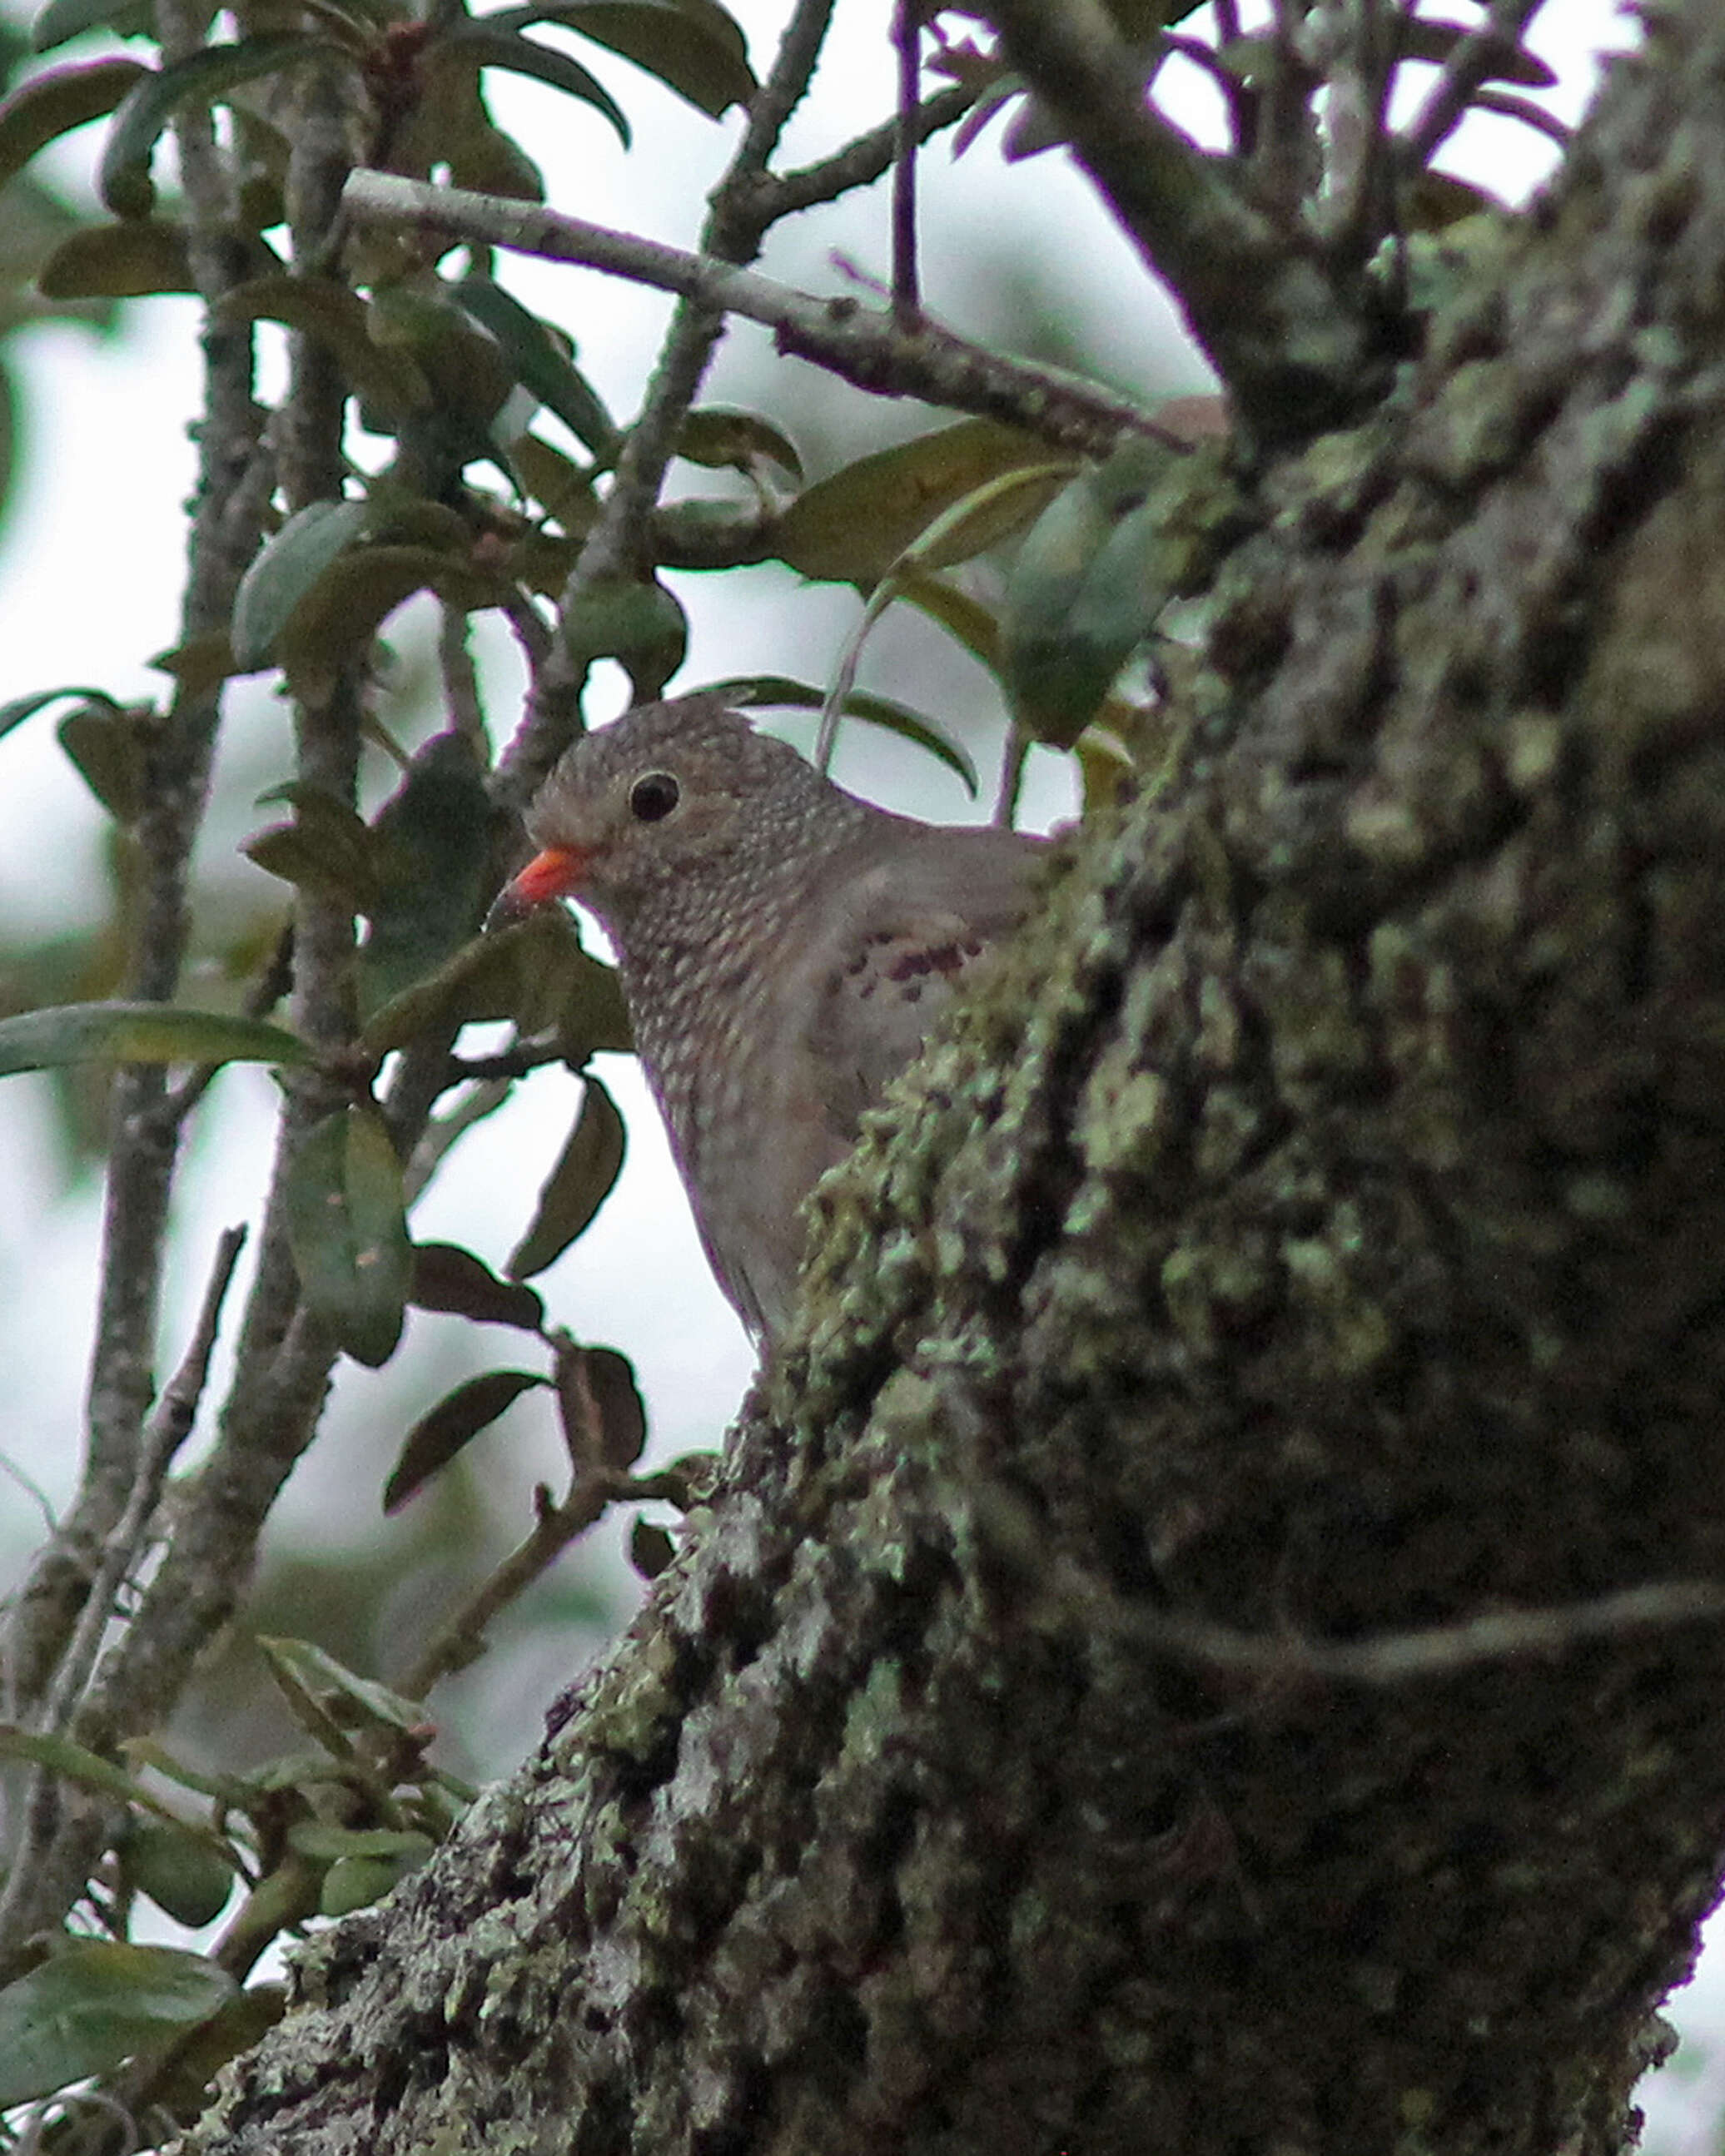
(651, 800)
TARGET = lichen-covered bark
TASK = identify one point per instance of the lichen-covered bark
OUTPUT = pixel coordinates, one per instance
(1321, 1235)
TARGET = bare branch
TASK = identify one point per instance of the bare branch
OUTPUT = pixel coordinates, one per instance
(907, 41)
(1291, 337)
(860, 163)
(858, 344)
(1462, 76)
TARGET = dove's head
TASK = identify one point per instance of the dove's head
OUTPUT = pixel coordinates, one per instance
(682, 798)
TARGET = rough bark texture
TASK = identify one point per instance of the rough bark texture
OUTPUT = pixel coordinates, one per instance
(1322, 1234)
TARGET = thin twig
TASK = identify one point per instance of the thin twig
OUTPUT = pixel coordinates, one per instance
(1462, 76)
(858, 344)
(438, 1137)
(168, 1427)
(462, 1639)
(1502, 1635)
(1512, 107)
(907, 41)
(461, 680)
(861, 163)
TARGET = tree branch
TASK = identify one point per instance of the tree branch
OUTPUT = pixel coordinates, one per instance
(859, 345)
(1292, 341)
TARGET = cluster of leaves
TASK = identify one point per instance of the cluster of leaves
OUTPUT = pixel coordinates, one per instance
(322, 1831)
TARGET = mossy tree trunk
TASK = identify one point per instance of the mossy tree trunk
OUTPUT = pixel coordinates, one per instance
(1211, 1637)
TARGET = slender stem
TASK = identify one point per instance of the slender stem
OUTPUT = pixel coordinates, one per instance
(860, 344)
(860, 163)
(906, 297)
(1461, 77)
(226, 525)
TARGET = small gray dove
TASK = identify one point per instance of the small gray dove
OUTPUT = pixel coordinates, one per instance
(784, 949)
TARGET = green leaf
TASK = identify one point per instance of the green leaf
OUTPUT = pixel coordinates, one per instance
(201, 664)
(578, 1186)
(123, 177)
(62, 19)
(603, 1416)
(561, 487)
(432, 847)
(132, 261)
(484, 44)
(327, 848)
(26, 707)
(333, 626)
(963, 617)
(323, 1840)
(52, 104)
(1070, 622)
(357, 1882)
(536, 973)
(386, 378)
(61, 1034)
(885, 712)
(719, 437)
(448, 1278)
(94, 2004)
(693, 46)
(72, 1762)
(285, 571)
(640, 624)
(339, 1695)
(540, 364)
(854, 527)
(104, 745)
(650, 1548)
(442, 1433)
(182, 1872)
(348, 1231)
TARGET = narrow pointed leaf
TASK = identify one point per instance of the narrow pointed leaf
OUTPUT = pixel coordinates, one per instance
(539, 365)
(62, 1033)
(345, 1697)
(536, 973)
(576, 1187)
(93, 2004)
(53, 103)
(348, 1232)
(431, 845)
(437, 1438)
(132, 261)
(853, 526)
(483, 44)
(327, 848)
(26, 707)
(62, 19)
(386, 378)
(885, 712)
(123, 177)
(693, 46)
(107, 751)
(285, 569)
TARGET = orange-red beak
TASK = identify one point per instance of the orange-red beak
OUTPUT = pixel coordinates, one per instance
(556, 873)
